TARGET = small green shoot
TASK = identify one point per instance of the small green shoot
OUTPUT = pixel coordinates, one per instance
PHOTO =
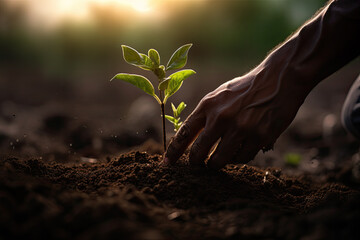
(167, 86)
(175, 120)
(292, 159)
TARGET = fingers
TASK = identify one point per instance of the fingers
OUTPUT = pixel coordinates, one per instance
(202, 146)
(184, 137)
(224, 152)
(247, 151)
(231, 150)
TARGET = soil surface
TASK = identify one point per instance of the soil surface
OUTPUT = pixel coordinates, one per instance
(133, 197)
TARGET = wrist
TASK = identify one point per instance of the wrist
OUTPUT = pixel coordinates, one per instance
(276, 79)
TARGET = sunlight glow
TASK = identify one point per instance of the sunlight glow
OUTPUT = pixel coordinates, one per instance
(51, 13)
(138, 5)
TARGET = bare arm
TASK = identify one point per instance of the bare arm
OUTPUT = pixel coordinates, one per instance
(250, 112)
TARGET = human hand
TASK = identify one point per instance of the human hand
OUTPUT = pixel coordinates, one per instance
(247, 114)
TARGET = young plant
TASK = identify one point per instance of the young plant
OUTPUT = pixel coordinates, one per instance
(167, 86)
(175, 120)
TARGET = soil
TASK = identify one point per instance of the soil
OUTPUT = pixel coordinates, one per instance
(133, 197)
(77, 165)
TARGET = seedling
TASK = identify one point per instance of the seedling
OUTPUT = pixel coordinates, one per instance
(167, 86)
(175, 120)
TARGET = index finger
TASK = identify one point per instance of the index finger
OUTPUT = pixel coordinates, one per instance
(187, 133)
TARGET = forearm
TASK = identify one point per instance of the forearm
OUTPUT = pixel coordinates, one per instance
(320, 47)
(327, 42)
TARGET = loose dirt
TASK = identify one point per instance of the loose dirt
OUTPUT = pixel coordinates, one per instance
(133, 197)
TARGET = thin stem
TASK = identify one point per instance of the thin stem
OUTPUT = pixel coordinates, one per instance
(163, 120)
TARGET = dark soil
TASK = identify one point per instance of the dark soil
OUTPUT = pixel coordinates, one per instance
(133, 197)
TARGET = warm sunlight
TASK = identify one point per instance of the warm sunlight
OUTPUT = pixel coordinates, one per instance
(47, 14)
(138, 5)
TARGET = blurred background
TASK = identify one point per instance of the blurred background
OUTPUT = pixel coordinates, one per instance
(57, 57)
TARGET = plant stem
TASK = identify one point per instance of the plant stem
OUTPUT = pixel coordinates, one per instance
(163, 119)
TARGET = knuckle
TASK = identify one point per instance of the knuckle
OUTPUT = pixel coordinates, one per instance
(204, 104)
(206, 101)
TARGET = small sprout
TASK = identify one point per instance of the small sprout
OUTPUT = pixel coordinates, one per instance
(292, 159)
(175, 120)
(167, 86)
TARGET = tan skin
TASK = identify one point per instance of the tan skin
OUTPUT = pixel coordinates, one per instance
(249, 113)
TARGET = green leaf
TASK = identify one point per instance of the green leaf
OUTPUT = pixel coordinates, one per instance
(160, 72)
(163, 85)
(138, 81)
(154, 56)
(132, 56)
(177, 126)
(174, 109)
(170, 118)
(147, 63)
(137, 59)
(179, 58)
(180, 108)
(176, 80)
